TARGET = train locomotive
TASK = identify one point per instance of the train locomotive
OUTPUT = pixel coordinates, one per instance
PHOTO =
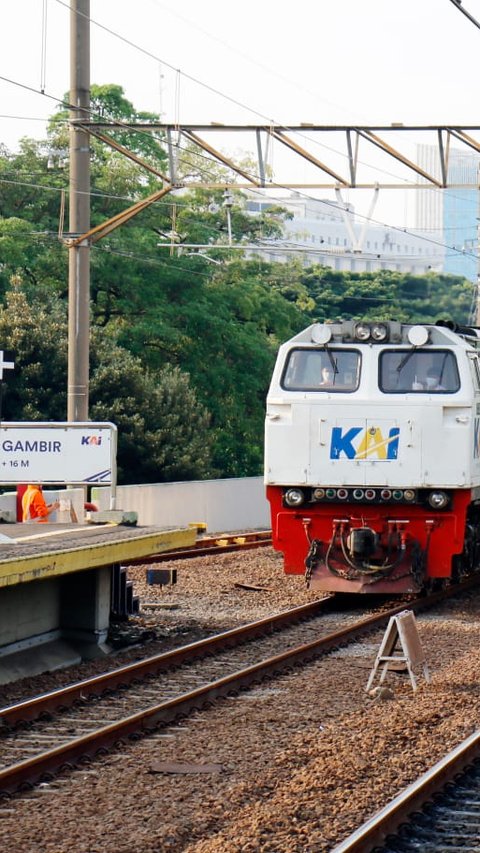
(372, 455)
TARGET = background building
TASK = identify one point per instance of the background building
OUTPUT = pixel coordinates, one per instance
(327, 232)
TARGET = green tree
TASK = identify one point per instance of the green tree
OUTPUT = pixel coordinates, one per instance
(108, 104)
(224, 330)
(215, 316)
(385, 294)
(163, 430)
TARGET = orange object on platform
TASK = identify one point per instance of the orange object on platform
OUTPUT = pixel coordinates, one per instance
(34, 507)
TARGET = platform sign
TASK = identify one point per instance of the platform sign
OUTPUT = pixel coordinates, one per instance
(55, 452)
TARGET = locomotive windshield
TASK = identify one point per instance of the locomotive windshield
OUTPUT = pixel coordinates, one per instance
(418, 370)
(322, 370)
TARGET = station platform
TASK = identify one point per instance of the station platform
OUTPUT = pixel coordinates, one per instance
(55, 589)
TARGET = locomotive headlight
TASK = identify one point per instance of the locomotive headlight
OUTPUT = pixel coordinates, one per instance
(438, 500)
(379, 332)
(418, 336)
(321, 333)
(294, 497)
(362, 332)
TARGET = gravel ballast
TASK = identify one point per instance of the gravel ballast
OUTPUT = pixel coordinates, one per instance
(299, 761)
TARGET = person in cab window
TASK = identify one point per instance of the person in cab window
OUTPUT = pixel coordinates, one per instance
(327, 376)
(34, 506)
(433, 380)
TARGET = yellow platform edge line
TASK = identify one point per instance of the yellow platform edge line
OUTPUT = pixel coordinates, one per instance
(38, 566)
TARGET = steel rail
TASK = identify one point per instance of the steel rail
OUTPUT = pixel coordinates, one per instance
(386, 821)
(64, 697)
(207, 546)
(32, 770)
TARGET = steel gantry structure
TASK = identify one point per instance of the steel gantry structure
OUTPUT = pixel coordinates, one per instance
(334, 155)
(342, 164)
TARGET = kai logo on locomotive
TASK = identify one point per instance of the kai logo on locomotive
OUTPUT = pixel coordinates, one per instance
(364, 443)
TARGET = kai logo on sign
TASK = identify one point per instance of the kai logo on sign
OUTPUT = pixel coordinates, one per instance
(91, 440)
(361, 443)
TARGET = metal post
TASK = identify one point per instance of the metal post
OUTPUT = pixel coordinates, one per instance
(477, 250)
(228, 204)
(79, 213)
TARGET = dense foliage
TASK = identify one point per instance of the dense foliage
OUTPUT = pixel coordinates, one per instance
(182, 342)
(164, 430)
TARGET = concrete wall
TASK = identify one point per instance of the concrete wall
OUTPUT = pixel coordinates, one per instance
(223, 505)
(29, 613)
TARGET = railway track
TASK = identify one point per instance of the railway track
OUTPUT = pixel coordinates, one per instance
(207, 546)
(57, 730)
(439, 812)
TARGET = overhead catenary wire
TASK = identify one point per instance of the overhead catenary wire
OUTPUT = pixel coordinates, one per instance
(278, 247)
(215, 90)
(307, 248)
(335, 207)
(128, 126)
(177, 71)
(153, 56)
(459, 6)
(376, 222)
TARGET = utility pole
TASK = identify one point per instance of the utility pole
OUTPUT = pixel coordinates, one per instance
(79, 214)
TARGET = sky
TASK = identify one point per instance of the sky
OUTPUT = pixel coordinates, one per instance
(331, 62)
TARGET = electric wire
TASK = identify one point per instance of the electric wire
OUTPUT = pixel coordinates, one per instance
(142, 50)
(216, 91)
(250, 109)
(334, 206)
(458, 5)
(253, 177)
(339, 286)
(278, 246)
(153, 56)
(196, 80)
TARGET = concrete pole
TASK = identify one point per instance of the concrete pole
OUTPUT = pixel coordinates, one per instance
(79, 214)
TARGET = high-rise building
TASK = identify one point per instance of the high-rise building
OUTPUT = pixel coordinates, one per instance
(452, 215)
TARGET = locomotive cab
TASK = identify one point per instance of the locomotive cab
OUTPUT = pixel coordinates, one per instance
(372, 455)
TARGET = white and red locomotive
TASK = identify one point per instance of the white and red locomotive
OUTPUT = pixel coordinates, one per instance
(372, 455)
